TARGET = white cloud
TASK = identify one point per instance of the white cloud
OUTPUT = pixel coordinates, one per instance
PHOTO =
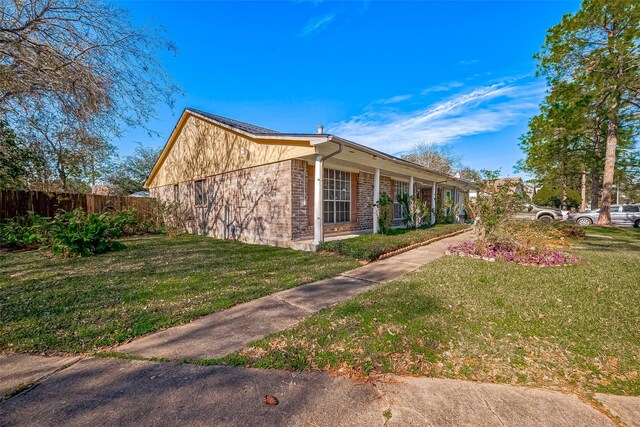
(485, 109)
(394, 99)
(442, 88)
(468, 61)
(316, 24)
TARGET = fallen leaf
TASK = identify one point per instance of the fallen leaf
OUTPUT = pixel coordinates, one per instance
(270, 400)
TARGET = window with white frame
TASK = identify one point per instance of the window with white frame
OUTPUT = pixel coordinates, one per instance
(176, 193)
(398, 208)
(336, 196)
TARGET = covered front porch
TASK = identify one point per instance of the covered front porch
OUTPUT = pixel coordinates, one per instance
(344, 183)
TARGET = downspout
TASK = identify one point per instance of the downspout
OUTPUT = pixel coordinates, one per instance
(318, 231)
(340, 147)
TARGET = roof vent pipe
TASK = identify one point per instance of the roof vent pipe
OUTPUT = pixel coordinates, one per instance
(320, 129)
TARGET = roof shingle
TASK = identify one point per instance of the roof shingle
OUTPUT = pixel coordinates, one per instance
(237, 124)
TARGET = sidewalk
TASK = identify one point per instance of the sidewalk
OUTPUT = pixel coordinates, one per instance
(221, 333)
(128, 392)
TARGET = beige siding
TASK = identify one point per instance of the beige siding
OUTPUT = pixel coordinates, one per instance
(202, 149)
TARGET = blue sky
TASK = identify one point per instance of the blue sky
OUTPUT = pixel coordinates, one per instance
(385, 74)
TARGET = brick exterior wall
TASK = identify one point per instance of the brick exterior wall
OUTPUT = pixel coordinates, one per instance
(269, 204)
(256, 202)
(299, 199)
(361, 204)
(365, 200)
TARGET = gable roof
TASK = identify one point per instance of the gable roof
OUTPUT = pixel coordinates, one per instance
(248, 128)
(260, 133)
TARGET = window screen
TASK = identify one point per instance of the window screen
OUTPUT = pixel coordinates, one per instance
(336, 196)
(398, 208)
(200, 192)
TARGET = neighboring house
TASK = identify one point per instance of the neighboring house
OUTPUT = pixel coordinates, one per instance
(237, 180)
(140, 194)
(516, 186)
(101, 190)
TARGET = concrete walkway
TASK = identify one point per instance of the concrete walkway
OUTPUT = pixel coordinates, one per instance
(127, 392)
(221, 333)
(19, 371)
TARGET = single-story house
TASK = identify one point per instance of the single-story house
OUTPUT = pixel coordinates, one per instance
(237, 180)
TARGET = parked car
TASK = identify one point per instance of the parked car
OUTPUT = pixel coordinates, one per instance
(539, 213)
(620, 215)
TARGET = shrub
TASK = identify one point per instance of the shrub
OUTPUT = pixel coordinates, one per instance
(526, 243)
(29, 231)
(370, 246)
(129, 225)
(385, 215)
(416, 212)
(75, 232)
(79, 233)
(567, 230)
(544, 257)
(494, 207)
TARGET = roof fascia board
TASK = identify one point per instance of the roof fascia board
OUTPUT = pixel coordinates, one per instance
(397, 160)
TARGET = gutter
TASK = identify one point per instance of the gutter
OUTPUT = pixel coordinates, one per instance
(340, 148)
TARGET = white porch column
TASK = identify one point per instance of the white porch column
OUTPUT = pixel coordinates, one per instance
(318, 220)
(411, 190)
(376, 199)
(433, 202)
(455, 207)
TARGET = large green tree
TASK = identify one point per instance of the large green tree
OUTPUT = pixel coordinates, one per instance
(130, 174)
(555, 144)
(15, 160)
(599, 47)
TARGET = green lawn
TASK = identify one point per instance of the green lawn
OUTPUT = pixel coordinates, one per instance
(573, 327)
(53, 304)
(370, 246)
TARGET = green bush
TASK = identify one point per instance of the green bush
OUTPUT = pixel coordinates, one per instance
(74, 233)
(549, 196)
(79, 233)
(370, 246)
(29, 231)
(129, 224)
(385, 212)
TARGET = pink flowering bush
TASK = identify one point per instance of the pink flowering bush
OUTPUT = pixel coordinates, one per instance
(504, 252)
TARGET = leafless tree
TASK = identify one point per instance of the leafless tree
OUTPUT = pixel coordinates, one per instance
(439, 158)
(74, 72)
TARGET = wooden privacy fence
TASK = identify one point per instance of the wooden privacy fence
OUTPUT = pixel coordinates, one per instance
(20, 203)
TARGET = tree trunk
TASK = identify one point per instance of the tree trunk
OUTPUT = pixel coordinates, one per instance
(595, 189)
(583, 192)
(595, 176)
(609, 167)
(564, 202)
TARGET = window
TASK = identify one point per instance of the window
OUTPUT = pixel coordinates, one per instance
(200, 192)
(630, 208)
(398, 208)
(176, 193)
(336, 196)
(448, 203)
